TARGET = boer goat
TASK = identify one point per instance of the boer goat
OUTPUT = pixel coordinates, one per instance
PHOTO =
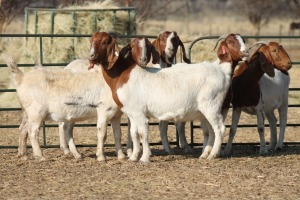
(67, 96)
(151, 92)
(167, 44)
(255, 93)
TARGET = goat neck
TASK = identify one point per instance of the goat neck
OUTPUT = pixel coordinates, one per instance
(245, 83)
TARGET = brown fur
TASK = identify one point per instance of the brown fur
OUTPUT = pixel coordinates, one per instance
(245, 86)
(117, 76)
(274, 53)
(160, 44)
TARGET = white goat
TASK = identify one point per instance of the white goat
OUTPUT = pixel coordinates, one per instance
(135, 90)
(167, 44)
(63, 96)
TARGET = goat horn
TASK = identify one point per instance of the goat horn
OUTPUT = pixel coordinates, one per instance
(92, 53)
(220, 38)
(113, 34)
(258, 42)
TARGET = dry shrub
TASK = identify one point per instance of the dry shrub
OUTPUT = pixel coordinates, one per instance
(201, 51)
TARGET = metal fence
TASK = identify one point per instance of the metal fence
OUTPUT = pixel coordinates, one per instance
(280, 38)
(130, 23)
(192, 126)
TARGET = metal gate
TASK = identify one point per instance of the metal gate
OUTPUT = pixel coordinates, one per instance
(41, 60)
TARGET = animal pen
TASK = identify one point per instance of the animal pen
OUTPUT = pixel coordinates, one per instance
(41, 39)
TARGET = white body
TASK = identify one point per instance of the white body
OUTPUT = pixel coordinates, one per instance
(199, 98)
(66, 96)
(274, 95)
(108, 111)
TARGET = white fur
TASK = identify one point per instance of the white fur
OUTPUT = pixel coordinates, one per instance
(199, 98)
(67, 96)
(169, 46)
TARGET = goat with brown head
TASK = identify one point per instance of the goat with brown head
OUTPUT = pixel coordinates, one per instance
(167, 44)
(139, 50)
(235, 45)
(275, 53)
(257, 94)
(104, 49)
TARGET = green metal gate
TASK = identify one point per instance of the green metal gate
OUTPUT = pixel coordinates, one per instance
(280, 38)
(192, 126)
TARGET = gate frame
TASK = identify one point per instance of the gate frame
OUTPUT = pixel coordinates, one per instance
(192, 126)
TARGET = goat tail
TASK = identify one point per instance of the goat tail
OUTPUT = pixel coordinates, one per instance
(11, 64)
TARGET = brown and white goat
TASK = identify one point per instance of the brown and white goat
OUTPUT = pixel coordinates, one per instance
(82, 95)
(255, 93)
(135, 90)
(167, 44)
(233, 42)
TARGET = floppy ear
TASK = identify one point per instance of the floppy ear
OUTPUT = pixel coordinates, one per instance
(155, 55)
(266, 65)
(125, 51)
(156, 44)
(185, 59)
(266, 51)
(223, 53)
(112, 53)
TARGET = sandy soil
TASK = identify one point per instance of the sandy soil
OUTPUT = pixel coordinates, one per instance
(182, 176)
(245, 175)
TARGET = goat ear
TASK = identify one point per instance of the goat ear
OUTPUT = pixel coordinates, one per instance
(266, 65)
(156, 45)
(125, 51)
(113, 53)
(223, 53)
(185, 59)
(155, 55)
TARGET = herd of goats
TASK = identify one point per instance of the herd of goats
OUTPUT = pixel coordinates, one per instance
(115, 81)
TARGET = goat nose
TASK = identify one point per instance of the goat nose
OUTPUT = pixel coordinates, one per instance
(246, 53)
(170, 49)
(144, 59)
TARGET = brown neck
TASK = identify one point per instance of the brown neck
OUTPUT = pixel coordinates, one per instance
(117, 75)
(245, 86)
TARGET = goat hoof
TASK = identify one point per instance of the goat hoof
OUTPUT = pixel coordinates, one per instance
(226, 154)
(170, 152)
(264, 152)
(211, 157)
(133, 158)
(101, 158)
(202, 157)
(278, 148)
(24, 157)
(129, 153)
(145, 160)
(66, 151)
(121, 156)
(41, 158)
(187, 149)
(78, 157)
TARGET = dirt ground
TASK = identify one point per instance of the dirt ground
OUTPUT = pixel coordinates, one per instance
(245, 175)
